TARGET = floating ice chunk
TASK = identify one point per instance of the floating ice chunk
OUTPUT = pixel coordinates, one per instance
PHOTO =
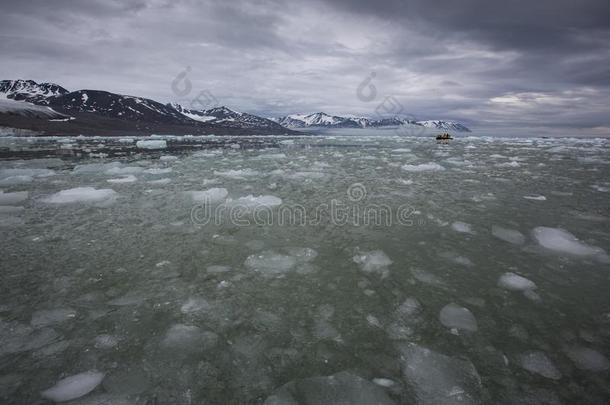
(302, 254)
(124, 170)
(538, 363)
(105, 342)
(601, 189)
(216, 269)
(158, 170)
(156, 144)
(194, 305)
(508, 164)
(188, 338)
(426, 277)
(373, 321)
(401, 150)
(515, 282)
(82, 194)
(237, 174)
(127, 179)
(74, 386)
(168, 158)
(273, 156)
(508, 235)
(252, 202)
(461, 227)
(270, 263)
(95, 168)
(588, 359)
(375, 261)
(535, 197)
(48, 317)
(384, 382)
(424, 167)
(439, 379)
(210, 196)
(14, 180)
(12, 198)
(564, 242)
(340, 388)
(4, 173)
(455, 316)
(164, 180)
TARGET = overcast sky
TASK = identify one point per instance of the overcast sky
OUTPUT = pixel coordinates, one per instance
(536, 65)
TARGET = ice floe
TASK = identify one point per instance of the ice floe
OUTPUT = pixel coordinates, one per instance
(374, 261)
(535, 197)
(237, 174)
(73, 387)
(150, 144)
(461, 227)
(454, 316)
(127, 179)
(562, 241)
(424, 167)
(436, 378)
(82, 195)
(514, 282)
(588, 359)
(15, 180)
(188, 338)
(272, 263)
(252, 202)
(210, 196)
(508, 235)
(537, 362)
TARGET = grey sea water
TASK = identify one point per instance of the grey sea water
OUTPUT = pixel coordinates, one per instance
(356, 269)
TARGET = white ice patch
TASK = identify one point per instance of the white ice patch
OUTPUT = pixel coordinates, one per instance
(212, 195)
(535, 197)
(14, 180)
(454, 316)
(375, 261)
(424, 167)
(514, 282)
(194, 305)
(461, 227)
(74, 386)
(601, 189)
(270, 263)
(237, 174)
(82, 194)
(562, 241)
(156, 144)
(12, 198)
(508, 235)
(158, 170)
(188, 339)
(168, 158)
(124, 170)
(588, 359)
(127, 179)
(4, 173)
(162, 181)
(538, 363)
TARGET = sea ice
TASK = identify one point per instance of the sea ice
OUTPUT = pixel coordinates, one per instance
(461, 227)
(515, 282)
(4, 173)
(118, 170)
(74, 386)
(82, 194)
(375, 261)
(158, 170)
(508, 235)
(194, 305)
(210, 196)
(168, 158)
(127, 179)
(14, 180)
(164, 180)
(424, 167)
(439, 379)
(588, 359)
(105, 342)
(188, 338)
(237, 174)
(564, 242)
(270, 263)
(341, 388)
(48, 317)
(538, 363)
(156, 144)
(10, 209)
(12, 198)
(535, 197)
(455, 316)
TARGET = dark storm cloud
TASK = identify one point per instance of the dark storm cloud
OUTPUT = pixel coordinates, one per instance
(534, 63)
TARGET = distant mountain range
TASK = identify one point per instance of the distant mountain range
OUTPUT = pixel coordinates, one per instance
(324, 120)
(50, 109)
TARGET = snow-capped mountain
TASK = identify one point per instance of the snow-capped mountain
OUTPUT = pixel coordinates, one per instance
(29, 90)
(444, 125)
(227, 117)
(321, 119)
